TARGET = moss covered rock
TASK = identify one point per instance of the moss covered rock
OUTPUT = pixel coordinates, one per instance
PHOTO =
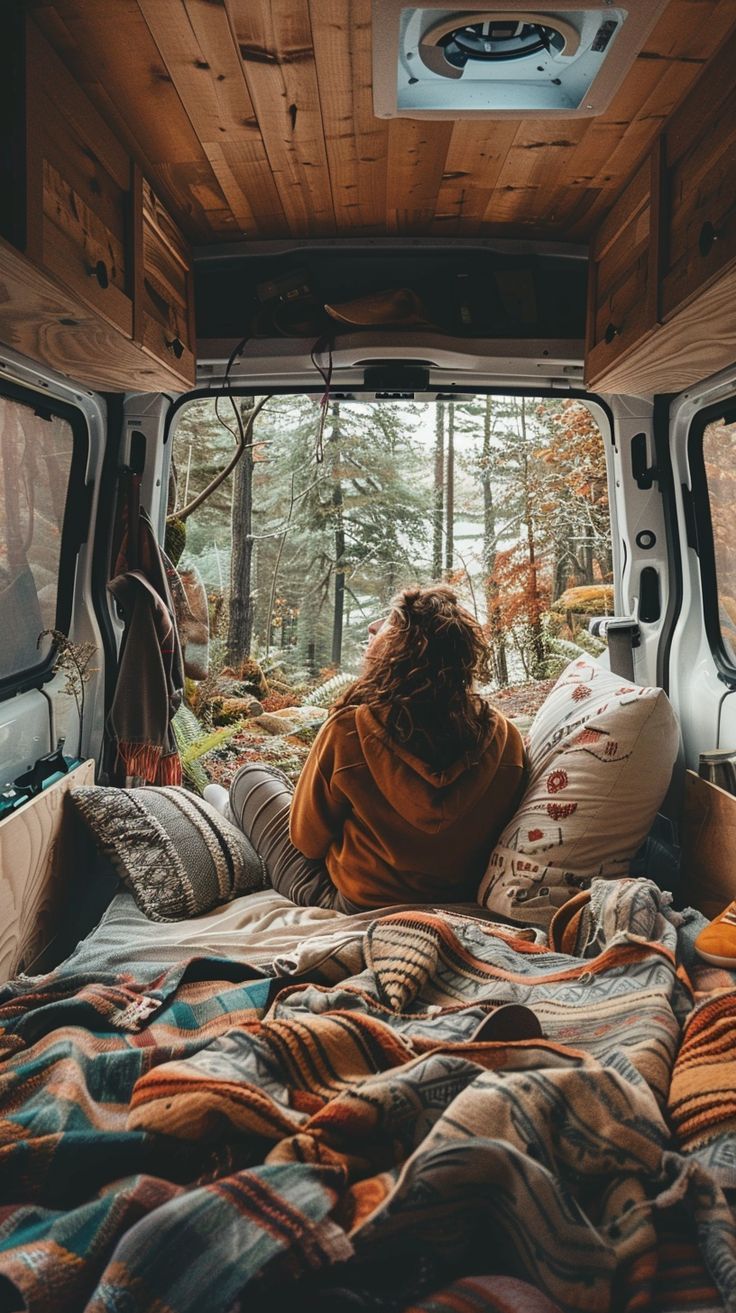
(589, 599)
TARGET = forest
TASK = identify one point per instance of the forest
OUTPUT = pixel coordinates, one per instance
(336, 504)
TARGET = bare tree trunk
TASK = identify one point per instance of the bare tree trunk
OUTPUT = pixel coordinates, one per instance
(586, 552)
(240, 626)
(439, 486)
(535, 601)
(450, 491)
(337, 502)
(561, 577)
(495, 632)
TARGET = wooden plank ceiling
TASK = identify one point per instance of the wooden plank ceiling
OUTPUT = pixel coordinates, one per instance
(255, 119)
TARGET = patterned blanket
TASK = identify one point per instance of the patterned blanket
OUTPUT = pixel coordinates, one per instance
(203, 1141)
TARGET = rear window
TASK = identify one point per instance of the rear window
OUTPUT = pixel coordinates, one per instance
(719, 467)
(336, 508)
(37, 456)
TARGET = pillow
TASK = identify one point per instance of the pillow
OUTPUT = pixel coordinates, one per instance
(601, 753)
(178, 856)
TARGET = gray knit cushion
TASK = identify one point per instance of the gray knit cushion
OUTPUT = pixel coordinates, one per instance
(178, 856)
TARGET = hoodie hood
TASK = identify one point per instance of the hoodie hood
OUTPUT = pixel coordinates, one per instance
(431, 800)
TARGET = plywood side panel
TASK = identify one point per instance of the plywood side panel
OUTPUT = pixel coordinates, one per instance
(34, 872)
(708, 844)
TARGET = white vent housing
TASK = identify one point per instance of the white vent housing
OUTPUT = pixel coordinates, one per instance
(506, 59)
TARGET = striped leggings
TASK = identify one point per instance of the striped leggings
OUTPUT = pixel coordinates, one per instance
(260, 801)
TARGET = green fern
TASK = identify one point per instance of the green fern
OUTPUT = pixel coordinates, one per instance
(194, 742)
(201, 746)
(187, 728)
(325, 695)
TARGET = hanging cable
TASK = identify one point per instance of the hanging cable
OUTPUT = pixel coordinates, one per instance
(228, 387)
(325, 372)
(242, 438)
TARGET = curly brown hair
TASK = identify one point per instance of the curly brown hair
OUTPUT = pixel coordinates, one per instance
(418, 675)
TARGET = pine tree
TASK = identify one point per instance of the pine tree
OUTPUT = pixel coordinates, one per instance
(450, 491)
(240, 626)
(439, 490)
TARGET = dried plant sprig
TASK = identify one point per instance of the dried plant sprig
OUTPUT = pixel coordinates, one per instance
(74, 661)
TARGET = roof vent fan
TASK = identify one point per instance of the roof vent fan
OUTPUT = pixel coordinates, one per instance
(430, 61)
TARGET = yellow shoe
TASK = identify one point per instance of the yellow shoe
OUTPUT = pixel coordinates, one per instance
(717, 942)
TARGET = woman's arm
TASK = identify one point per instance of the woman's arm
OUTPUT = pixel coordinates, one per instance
(317, 814)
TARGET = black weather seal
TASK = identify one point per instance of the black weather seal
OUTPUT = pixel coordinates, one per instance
(74, 529)
(699, 503)
(104, 530)
(665, 480)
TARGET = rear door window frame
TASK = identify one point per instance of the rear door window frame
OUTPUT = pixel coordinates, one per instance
(700, 533)
(75, 526)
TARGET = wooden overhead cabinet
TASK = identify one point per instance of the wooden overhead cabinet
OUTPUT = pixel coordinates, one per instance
(619, 314)
(75, 209)
(663, 262)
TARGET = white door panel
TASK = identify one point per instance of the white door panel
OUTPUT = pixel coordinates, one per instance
(637, 530)
(25, 733)
(31, 722)
(706, 708)
(146, 414)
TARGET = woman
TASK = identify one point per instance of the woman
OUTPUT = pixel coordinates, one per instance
(409, 781)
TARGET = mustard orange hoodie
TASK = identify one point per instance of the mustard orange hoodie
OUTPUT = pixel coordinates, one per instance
(390, 828)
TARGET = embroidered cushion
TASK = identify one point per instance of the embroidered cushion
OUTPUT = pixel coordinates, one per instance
(178, 856)
(601, 752)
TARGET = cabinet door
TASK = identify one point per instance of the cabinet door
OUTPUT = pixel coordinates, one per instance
(164, 307)
(79, 206)
(700, 233)
(619, 305)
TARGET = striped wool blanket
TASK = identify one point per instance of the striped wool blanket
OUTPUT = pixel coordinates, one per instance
(242, 1136)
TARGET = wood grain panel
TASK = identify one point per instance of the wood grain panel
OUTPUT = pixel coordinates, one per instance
(117, 62)
(34, 873)
(696, 342)
(416, 154)
(70, 260)
(80, 167)
(198, 48)
(476, 154)
(357, 143)
(708, 844)
(65, 209)
(538, 157)
(274, 40)
(699, 172)
(43, 320)
(256, 116)
(683, 40)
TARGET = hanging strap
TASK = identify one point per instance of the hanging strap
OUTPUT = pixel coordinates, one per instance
(623, 636)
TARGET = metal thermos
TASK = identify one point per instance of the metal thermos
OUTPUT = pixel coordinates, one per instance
(719, 767)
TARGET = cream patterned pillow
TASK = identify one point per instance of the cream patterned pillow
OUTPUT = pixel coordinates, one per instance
(178, 856)
(601, 753)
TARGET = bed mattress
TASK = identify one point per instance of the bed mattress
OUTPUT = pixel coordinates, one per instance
(274, 1107)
